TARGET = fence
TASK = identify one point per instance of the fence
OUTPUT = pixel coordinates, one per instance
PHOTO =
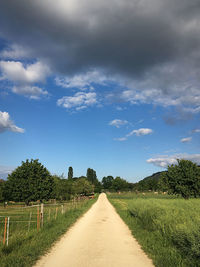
(18, 221)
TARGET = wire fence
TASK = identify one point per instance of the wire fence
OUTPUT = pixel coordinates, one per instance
(19, 221)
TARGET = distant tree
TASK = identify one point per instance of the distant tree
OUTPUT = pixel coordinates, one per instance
(82, 186)
(91, 176)
(70, 173)
(107, 182)
(30, 182)
(183, 179)
(119, 184)
(2, 185)
(63, 188)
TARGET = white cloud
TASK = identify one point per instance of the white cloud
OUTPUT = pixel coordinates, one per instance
(17, 73)
(121, 139)
(141, 131)
(118, 123)
(196, 131)
(80, 100)
(82, 81)
(186, 140)
(24, 77)
(164, 161)
(7, 124)
(33, 92)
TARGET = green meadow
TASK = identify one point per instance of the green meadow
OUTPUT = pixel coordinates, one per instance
(167, 228)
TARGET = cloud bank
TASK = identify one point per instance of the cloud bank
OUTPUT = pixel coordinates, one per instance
(164, 161)
(149, 47)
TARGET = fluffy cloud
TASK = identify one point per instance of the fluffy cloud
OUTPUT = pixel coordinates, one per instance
(24, 77)
(7, 124)
(16, 72)
(78, 101)
(118, 123)
(33, 92)
(164, 161)
(141, 131)
(150, 47)
(186, 140)
(138, 132)
(82, 81)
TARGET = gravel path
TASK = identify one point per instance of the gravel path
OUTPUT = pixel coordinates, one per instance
(99, 239)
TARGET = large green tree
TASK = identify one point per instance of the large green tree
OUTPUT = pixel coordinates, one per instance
(30, 182)
(119, 184)
(183, 179)
(107, 182)
(70, 173)
(92, 178)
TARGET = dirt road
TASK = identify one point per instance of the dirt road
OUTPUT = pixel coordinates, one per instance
(99, 239)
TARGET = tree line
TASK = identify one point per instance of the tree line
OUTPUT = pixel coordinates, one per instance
(32, 182)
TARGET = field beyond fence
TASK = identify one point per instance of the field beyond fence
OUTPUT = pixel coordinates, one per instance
(167, 227)
(27, 231)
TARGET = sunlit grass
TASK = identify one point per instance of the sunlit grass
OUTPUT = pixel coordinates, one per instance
(167, 229)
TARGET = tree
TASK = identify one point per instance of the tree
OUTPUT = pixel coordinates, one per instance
(119, 184)
(30, 182)
(2, 185)
(183, 179)
(63, 188)
(92, 178)
(70, 173)
(107, 182)
(82, 186)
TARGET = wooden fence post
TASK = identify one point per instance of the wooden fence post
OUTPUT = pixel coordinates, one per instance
(8, 229)
(49, 214)
(38, 219)
(62, 209)
(29, 223)
(56, 212)
(4, 238)
(42, 214)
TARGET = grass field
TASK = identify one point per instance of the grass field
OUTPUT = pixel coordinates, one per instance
(167, 228)
(26, 240)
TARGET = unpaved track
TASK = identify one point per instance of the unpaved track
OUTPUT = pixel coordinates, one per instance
(99, 239)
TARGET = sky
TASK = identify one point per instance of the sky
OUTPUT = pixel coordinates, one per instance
(111, 85)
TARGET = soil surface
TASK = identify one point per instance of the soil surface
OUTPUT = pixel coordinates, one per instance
(98, 239)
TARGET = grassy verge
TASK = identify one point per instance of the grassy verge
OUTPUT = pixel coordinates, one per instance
(167, 229)
(24, 250)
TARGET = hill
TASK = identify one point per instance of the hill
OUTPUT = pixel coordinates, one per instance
(150, 182)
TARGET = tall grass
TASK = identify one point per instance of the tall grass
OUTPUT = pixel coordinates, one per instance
(25, 247)
(167, 229)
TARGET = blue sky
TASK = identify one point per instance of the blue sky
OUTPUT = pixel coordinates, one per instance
(95, 87)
